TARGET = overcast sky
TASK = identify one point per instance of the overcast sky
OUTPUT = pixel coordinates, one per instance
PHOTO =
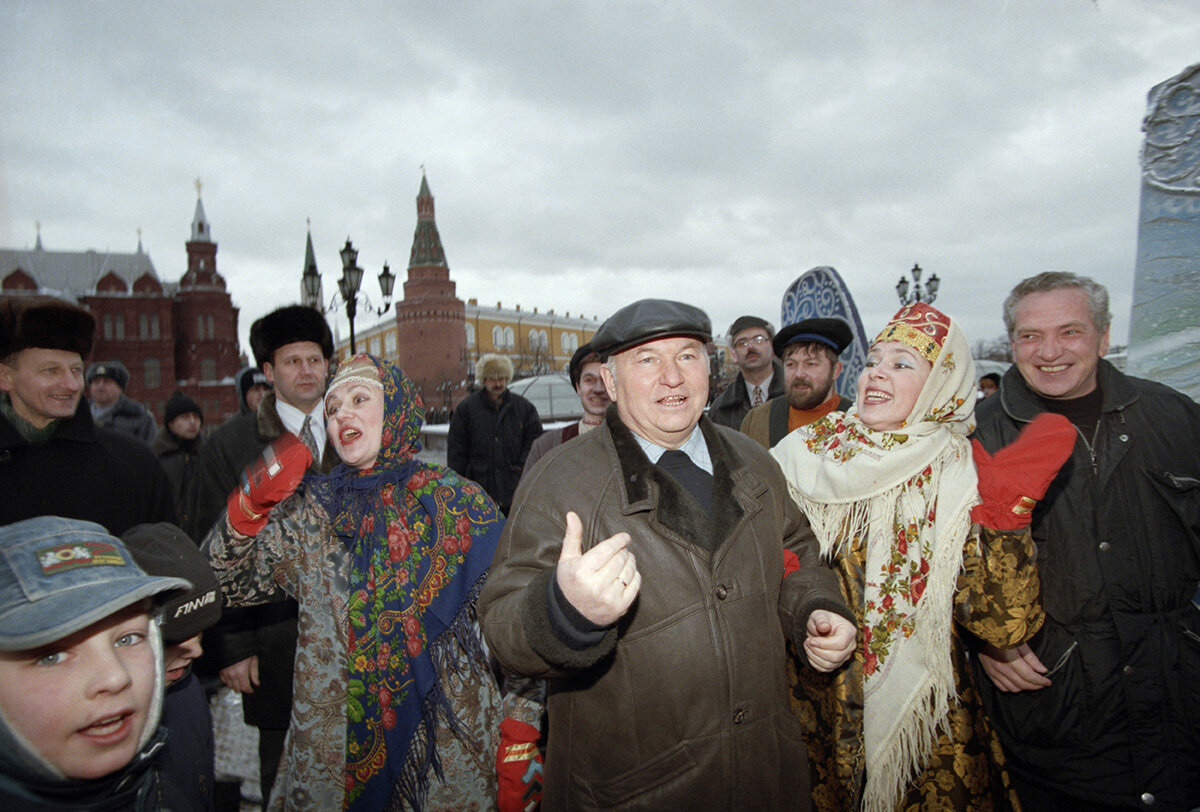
(583, 155)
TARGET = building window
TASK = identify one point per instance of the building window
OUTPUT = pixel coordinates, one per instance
(570, 343)
(389, 343)
(154, 330)
(212, 327)
(108, 326)
(152, 373)
(119, 324)
(143, 326)
(510, 339)
(375, 345)
(470, 335)
(200, 326)
(208, 369)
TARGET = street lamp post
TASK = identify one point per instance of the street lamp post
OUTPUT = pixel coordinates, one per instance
(917, 293)
(348, 286)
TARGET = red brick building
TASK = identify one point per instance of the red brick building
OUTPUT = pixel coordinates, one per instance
(169, 335)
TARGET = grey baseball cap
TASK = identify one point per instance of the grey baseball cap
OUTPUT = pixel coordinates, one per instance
(58, 576)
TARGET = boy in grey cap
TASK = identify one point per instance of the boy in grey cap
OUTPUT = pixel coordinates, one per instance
(80, 669)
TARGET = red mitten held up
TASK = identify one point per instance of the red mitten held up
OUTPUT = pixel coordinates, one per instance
(1012, 480)
(266, 482)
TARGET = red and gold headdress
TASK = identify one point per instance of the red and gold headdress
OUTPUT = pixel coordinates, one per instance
(920, 326)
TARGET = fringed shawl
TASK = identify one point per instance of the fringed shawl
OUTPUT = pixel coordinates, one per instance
(905, 497)
(420, 540)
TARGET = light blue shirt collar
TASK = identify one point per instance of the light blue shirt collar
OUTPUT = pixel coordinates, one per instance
(695, 447)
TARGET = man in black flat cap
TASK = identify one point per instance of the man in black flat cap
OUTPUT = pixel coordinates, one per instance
(254, 647)
(54, 461)
(587, 378)
(642, 573)
(760, 375)
(810, 351)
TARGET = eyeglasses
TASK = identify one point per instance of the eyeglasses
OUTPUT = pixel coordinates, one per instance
(757, 341)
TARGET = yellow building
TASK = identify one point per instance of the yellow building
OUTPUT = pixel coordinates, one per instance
(537, 342)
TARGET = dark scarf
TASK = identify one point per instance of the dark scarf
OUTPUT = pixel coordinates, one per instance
(420, 540)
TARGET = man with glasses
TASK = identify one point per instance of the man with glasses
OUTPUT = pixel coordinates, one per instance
(761, 375)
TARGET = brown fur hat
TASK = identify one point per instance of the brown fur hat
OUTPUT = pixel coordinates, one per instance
(45, 322)
(288, 325)
(494, 366)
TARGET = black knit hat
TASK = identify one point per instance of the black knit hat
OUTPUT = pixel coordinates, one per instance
(180, 403)
(164, 549)
(288, 325)
(108, 369)
(45, 322)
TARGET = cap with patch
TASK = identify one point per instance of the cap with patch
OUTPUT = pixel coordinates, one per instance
(833, 333)
(164, 549)
(108, 369)
(58, 576)
(647, 320)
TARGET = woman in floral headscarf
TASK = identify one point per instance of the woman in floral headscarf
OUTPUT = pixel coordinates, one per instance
(891, 491)
(394, 705)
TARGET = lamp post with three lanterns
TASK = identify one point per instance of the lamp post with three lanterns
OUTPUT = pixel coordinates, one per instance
(348, 285)
(917, 293)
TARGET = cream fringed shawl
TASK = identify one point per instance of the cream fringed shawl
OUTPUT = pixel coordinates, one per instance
(908, 495)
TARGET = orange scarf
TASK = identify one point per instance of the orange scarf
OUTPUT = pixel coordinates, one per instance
(802, 417)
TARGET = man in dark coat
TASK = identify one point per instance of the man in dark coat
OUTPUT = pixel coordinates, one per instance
(760, 375)
(255, 647)
(1100, 710)
(491, 432)
(111, 407)
(177, 447)
(54, 461)
(809, 350)
(642, 573)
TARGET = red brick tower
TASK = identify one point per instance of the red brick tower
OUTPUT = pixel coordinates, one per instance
(206, 345)
(430, 320)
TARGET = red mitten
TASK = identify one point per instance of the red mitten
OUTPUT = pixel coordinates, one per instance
(266, 482)
(518, 767)
(1017, 476)
(791, 562)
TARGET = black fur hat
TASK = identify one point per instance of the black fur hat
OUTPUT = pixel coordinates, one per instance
(45, 322)
(288, 325)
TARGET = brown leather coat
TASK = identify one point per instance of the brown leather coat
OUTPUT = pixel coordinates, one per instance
(684, 704)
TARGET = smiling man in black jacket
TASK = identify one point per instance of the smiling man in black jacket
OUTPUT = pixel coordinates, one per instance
(1100, 711)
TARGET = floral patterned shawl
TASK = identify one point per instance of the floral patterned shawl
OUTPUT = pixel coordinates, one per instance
(420, 539)
(906, 495)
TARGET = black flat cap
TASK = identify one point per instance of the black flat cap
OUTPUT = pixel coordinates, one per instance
(746, 322)
(647, 320)
(833, 333)
(583, 356)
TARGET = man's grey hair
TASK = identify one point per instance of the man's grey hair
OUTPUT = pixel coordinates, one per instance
(1097, 296)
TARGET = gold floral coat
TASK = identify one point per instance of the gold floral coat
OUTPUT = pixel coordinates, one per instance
(997, 600)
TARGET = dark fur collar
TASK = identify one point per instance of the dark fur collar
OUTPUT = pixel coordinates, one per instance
(676, 510)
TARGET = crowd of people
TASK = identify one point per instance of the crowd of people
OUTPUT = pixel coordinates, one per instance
(948, 592)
